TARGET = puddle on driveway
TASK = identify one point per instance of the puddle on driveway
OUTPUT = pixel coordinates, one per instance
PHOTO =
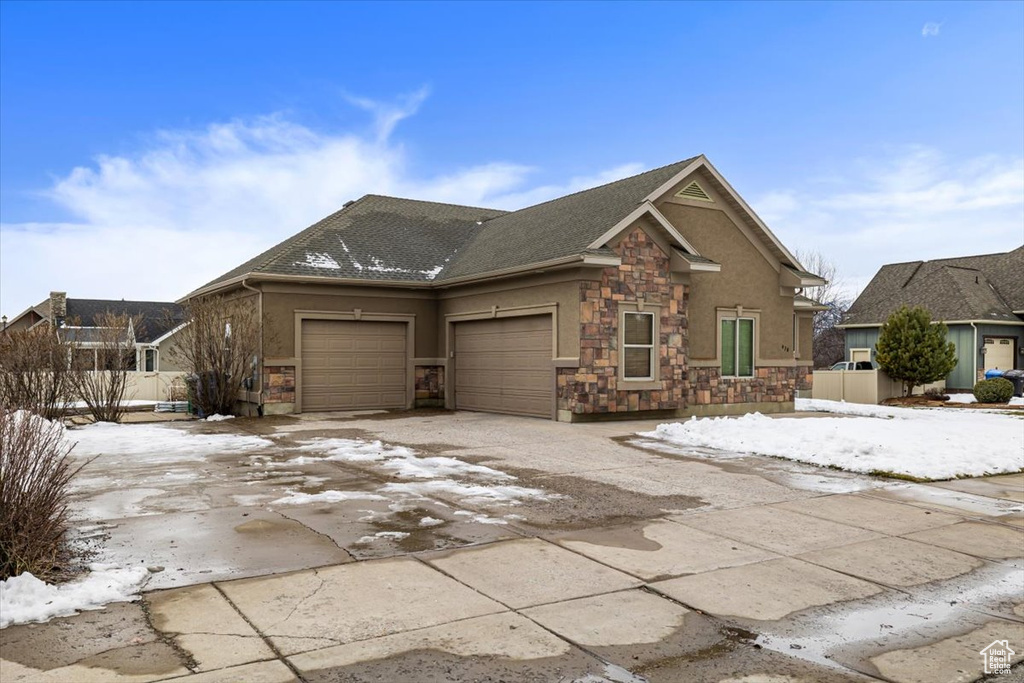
(851, 633)
(949, 500)
(785, 472)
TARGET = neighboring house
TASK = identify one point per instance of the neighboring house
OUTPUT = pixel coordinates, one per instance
(661, 294)
(78, 319)
(980, 298)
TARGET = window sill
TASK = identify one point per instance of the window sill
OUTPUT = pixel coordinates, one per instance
(639, 385)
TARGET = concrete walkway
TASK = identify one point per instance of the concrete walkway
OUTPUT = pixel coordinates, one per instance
(641, 562)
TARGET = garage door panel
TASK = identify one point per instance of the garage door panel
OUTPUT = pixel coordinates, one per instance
(353, 365)
(504, 365)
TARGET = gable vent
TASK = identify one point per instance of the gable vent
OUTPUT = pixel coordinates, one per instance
(694, 191)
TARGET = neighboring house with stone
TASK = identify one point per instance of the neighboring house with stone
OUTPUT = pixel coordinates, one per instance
(662, 294)
(979, 298)
(152, 334)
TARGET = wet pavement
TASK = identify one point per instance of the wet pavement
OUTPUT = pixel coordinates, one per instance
(490, 548)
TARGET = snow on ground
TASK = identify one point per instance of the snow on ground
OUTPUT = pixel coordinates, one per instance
(127, 403)
(24, 598)
(299, 498)
(404, 462)
(217, 417)
(962, 398)
(431, 475)
(157, 443)
(923, 443)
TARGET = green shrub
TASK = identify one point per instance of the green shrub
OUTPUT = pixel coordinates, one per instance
(996, 390)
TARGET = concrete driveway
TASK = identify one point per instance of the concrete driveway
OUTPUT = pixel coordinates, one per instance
(488, 548)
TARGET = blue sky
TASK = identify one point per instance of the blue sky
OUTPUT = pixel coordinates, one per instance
(145, 148)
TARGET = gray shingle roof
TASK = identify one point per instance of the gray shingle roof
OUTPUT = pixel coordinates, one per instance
(157, 317)
(388, 239)
(374, 238)
(987, 287)
(557, 228)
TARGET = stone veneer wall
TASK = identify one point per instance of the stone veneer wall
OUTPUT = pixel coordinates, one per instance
(770, 385)
(279, 384)
(429, 385)
(644, 275)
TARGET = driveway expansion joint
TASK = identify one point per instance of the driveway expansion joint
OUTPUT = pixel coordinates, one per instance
(266, 639)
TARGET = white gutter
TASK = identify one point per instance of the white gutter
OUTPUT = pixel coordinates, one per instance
(974, 355)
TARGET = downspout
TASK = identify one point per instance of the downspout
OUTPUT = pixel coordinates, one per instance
(259, 365)
(974, 355)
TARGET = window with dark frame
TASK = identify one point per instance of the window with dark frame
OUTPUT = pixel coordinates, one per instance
(638, 346)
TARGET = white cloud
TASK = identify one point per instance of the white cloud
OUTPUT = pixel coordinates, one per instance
(930, 29)
(193, 204)
(910, 204)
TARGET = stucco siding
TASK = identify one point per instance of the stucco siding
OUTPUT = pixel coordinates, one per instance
(279, 309)
(519, 294)
(747, 279)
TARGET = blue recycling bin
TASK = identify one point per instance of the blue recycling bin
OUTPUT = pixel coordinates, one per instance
(992, 374)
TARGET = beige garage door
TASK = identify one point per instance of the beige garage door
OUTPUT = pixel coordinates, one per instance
(998, 353)
(504, 366)
(349, 364)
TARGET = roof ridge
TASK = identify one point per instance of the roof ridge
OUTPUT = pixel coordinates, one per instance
(427, 201)
(953, 258)
(121, 301)
(598, 187)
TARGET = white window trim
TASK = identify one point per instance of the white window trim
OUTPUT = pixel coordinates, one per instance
(653, 346)
(737, 316)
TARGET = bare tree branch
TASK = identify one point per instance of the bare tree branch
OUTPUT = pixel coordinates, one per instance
(829, 341)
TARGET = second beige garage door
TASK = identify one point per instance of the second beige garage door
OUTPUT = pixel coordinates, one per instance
(504, 366)
(350, 365)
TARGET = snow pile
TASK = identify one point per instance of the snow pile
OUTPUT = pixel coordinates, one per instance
(157, 443)
(45, 427)
(475, 484)
(24, 598)
(402, 461)
(217, 417)
(393, 535)
(962, 398)
(299, 498)
(929, 444)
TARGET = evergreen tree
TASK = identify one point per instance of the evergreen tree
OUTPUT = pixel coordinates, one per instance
(914, 351)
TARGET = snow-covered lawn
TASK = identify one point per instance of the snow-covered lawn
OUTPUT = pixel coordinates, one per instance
(923, 443)
(969, 398)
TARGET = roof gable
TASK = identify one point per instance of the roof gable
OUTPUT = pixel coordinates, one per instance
(557, 228)
(977, 288)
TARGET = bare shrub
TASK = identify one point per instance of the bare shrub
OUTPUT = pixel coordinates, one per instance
(102, 382)
(35, 470)
(36, 373)
(220, 345)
